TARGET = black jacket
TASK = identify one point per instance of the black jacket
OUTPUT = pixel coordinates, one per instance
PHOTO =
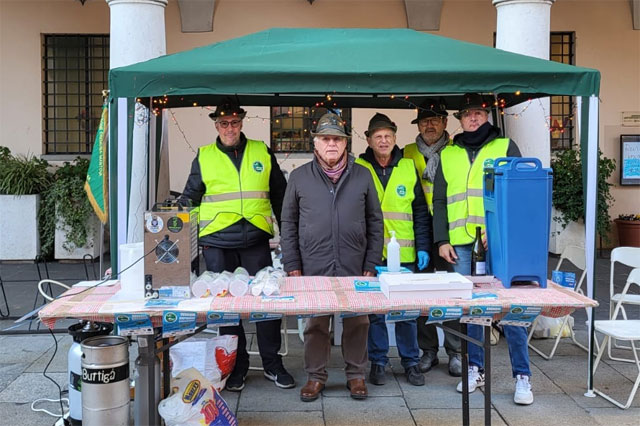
(331, 229)
(421, 215)
(440, 220)
(241, 234)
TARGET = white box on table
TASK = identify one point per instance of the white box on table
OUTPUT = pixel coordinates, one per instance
(426, 286)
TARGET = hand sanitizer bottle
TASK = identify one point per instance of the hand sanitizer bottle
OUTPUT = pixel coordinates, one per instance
(393, 254)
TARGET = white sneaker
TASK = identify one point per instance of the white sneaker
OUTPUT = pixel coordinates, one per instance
(523, 394)
(476, 379)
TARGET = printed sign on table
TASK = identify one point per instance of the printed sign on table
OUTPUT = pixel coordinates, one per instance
(444, 313)
(133, 324)
(402, 315)
(565, 279)
(362, 286)
(481, 315)
(222, 319)
(176, 323)
(263, 316)
(521, 315)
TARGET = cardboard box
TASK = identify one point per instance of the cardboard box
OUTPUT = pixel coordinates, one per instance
(426, 286)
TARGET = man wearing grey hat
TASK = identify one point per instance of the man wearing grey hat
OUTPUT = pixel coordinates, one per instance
(332, 226)
(458, 207)
(405, 213)
(237, 183)
(425, 153)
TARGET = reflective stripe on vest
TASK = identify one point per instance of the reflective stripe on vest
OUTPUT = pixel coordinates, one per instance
(229, 195)
(411, 151)
(465, 202)
(397, 211)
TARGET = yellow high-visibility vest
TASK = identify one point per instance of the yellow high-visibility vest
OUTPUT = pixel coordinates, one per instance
(411, 151)
(230, 196)
(465, 201)
(397, 211)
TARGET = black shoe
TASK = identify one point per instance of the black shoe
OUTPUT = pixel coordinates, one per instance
(428, 361)
(376, 376)
(414, 376)
(280, 377)
(235, 382)
(455, 365)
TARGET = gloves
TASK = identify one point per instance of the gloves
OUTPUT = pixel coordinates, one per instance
(423, 260)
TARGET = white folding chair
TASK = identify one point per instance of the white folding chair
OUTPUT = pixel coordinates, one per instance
(629, 256)
(576, 256)
(625, 329)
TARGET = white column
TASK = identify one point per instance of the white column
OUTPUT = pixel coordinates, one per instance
(523, 27)
(137, 34)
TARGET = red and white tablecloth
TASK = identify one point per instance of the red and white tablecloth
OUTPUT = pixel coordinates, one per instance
(321, 295)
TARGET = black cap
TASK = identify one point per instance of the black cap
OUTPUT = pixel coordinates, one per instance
(431, 107)
(472, 101)
(228, 107)
(380, 121)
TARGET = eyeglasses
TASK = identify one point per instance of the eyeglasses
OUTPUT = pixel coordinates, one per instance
(430, 121)
(224, 124)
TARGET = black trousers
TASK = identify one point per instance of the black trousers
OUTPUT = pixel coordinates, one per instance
(252, 259)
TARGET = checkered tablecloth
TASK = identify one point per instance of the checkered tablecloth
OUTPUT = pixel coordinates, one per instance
(324, 295)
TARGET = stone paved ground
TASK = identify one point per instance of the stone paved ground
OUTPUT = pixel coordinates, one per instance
(559, 385)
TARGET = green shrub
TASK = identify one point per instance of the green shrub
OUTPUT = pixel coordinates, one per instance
(66, 200)
(22, 175)
(568, 196)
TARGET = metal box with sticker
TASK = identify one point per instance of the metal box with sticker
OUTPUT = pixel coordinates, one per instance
(170, 246)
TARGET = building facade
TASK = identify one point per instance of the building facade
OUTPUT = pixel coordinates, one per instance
(54, 60)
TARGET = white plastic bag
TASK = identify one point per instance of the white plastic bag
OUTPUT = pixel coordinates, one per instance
(548, 328)
(195, 402)
(214, 357)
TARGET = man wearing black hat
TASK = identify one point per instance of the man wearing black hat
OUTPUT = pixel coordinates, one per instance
(458, 207)
(237, 183)
(406, 214)
(425, 153)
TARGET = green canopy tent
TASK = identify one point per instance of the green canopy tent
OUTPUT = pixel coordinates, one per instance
(383, 68)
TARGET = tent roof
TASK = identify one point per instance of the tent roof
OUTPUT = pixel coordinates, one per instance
(357, 67)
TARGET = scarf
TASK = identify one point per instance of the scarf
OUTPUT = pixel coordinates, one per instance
(477, 138)
(432, 154)
(333, 173)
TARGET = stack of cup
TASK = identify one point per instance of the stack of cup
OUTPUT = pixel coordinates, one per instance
(220, 286)
(239, 285)
(201, 286)
(257, 285)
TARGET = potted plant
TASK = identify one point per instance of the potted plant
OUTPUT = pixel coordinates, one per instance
(71, 228)
(568, 200)
(22, 180)
(628, 230)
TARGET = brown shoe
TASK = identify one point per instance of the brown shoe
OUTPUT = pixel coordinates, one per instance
(358, 388)
(311, 391)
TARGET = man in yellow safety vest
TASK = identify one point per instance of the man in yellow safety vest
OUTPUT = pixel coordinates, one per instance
(458, 208)
(236, 183)
(405, 212)
(425, 153)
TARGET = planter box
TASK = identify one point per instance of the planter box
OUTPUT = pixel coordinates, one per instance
(92, 247)
(559, 239)
(628, 232)
(19, 236)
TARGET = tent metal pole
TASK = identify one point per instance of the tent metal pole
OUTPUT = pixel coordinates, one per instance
(590, 220)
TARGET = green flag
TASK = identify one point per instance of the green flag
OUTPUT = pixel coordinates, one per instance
(97, 184)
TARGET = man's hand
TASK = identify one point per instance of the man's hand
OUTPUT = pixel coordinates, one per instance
(295, 273)
(448, 253)
(368, 274)
(484, 240)
(423, 260)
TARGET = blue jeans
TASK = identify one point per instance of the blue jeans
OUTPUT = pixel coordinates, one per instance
(406, 341)
(516, 336)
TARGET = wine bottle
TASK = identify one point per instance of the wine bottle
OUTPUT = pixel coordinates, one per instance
(478, 255)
